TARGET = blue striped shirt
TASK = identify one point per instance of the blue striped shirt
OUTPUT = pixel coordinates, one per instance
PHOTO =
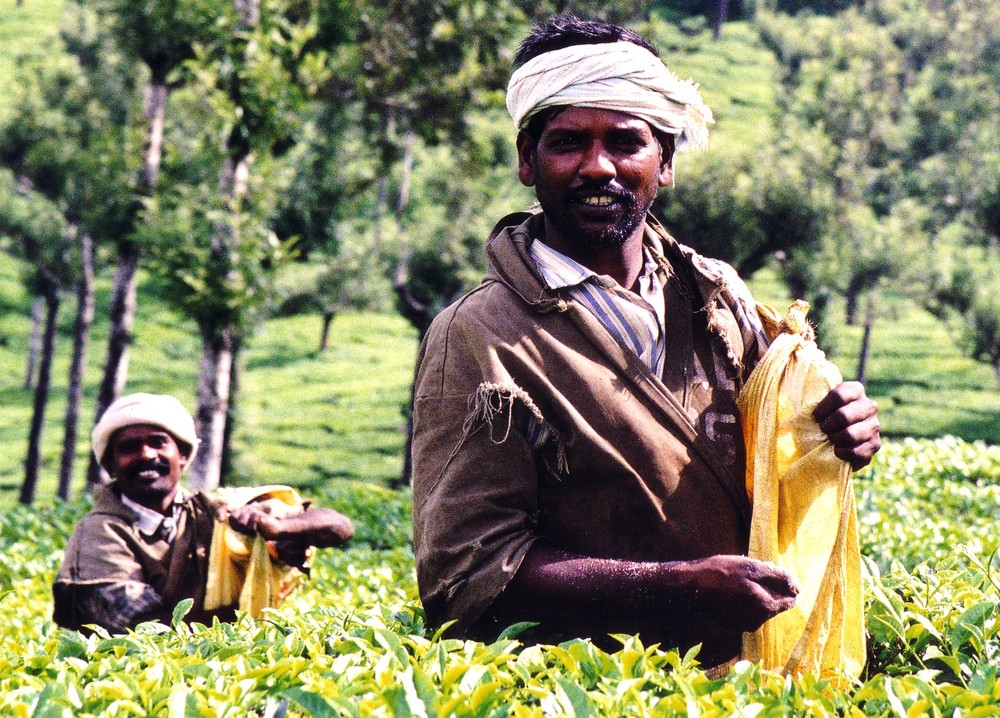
(635, 320)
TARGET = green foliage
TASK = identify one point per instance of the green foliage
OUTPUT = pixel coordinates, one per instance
(904, 94)
(161, 34)
(966, 293)
(39, 230)
(71, 115)
(24, 32)
(919, 500)
(352, 640)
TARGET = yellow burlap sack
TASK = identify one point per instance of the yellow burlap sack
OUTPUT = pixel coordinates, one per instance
(804, 517)
(242, 567)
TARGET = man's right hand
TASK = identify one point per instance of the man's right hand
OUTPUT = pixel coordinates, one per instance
(739, 592)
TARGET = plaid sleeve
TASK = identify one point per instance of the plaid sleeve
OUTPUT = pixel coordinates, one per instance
(114, 605)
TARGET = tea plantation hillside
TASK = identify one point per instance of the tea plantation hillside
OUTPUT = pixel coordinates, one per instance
(352, 641)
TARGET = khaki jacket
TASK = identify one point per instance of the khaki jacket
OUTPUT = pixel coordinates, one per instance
(115, 576)
(532, 423)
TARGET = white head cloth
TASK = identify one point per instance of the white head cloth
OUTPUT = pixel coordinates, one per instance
(160, 410)
(618, 76)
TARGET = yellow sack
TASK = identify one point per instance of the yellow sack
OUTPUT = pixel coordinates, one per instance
(804, 517)
(242, 568)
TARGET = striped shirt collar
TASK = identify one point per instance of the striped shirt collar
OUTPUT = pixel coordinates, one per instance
(560, 271)
(149, 522)
(635, 320)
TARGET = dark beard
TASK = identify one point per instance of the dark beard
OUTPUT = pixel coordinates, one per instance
(610, 237)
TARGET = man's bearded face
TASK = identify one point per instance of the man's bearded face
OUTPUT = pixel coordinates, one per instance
(147, 463)
(595, 173)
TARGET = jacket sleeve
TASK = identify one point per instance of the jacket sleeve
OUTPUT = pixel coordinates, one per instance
(475, 481)
(101, 580)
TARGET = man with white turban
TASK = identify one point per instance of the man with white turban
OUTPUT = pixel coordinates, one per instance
(144, 546)
(578, 461)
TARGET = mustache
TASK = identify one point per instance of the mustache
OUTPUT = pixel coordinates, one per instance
(160, 467)
(609, 188)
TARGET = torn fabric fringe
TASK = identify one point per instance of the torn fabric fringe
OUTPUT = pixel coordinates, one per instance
(502, 406)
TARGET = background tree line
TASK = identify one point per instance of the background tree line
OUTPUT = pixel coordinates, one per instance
(363, 150)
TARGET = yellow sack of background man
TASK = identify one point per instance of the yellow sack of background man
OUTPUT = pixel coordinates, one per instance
(804, 517)
(244, 568)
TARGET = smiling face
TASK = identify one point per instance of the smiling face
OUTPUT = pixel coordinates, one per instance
(147, 463)
(595, 173)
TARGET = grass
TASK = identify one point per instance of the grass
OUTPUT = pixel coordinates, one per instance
(923, 384)
(304, 417)
(23, 31)
(308, 419)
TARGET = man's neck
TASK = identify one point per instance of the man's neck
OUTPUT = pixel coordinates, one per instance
(161, 504)
(623, 264)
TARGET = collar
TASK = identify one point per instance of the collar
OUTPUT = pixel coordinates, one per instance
(149, 521)
(510, 262)
(560, 271)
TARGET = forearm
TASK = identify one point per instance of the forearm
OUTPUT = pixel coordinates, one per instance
(318, 527)
(734, 591)
(550, 579)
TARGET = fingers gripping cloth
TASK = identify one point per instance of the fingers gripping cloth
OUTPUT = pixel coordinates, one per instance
(618, 76)
(804, 517)
(242, 568)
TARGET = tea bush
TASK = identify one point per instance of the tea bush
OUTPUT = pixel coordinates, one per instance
(352, 641)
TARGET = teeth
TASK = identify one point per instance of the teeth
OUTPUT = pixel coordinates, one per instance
(599, 201)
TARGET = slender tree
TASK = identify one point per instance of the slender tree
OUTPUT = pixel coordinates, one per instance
(34, 341)
(65, 140)
(38, 226)
(78, 363)
(160, 36)
(211, 224)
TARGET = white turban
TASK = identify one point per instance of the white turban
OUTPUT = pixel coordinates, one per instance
(160, 410)
(618, 76)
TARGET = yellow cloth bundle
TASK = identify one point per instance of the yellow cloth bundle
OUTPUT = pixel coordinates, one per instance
(242, 568)
(804, 517)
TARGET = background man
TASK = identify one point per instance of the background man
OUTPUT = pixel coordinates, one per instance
(578, 457)
(144, 545)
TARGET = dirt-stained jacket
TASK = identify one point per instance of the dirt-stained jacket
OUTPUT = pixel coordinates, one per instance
(114, 576)
(532, 423)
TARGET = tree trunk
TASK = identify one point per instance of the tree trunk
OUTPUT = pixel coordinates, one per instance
(866, 338)
(851, 300)
(220, 339)
(406, 175)
(33, 461)
(381, 198)
(721, 14)
(78, 364)
(154, 111)
(123, 297)
(213, 404)
(406, 478)
(324, 337)
(232, 412)
(35, 342)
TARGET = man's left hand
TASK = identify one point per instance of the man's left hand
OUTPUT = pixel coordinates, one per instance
(251, 520)
(850, 420)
